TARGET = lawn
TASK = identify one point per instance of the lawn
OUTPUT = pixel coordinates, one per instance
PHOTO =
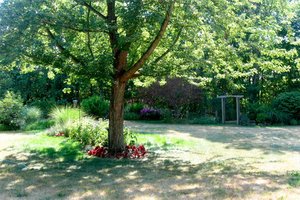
(184, 162)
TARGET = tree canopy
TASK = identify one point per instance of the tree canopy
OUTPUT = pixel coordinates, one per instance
(222, 46)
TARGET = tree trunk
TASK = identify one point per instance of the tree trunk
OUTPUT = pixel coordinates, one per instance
(121, 76)
(116, 119)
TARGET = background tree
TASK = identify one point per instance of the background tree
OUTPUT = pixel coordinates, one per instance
(221, 46)
(245, 47)
(108, 41)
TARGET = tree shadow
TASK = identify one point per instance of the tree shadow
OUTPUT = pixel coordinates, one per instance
(50, 174)
(67, 151)
(268, 139)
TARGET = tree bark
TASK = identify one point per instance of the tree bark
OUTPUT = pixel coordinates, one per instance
(121, 75)
(116, 119)
(139, 64)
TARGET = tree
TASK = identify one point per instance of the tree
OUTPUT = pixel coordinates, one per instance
(223, 46)
(240, 47)
(98, 40)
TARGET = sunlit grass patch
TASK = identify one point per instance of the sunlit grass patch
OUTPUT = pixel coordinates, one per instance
(39, 125)
(154, 141)
(53, 147)
(62, 115)
(294, 179)
(178, 166)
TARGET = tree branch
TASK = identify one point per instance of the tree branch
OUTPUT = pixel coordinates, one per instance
(88, 33)
(119, 55)
(169, 49)
(68, 25)
(112, 23)
(130, 73)
(84, 30)
(63, 50)
(81, 2)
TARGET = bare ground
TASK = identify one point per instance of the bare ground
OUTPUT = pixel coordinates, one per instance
(226, 163)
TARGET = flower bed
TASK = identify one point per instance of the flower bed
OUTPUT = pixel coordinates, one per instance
(132, 152)
(59, 134)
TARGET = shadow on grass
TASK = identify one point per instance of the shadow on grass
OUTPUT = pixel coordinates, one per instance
(50, 174)
(67, 151)
(294, 179)
(267, 139)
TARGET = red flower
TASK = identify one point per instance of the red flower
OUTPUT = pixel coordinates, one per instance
(129, 152)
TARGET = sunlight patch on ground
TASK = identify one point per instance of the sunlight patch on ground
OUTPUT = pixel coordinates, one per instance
(90, 194)
(145, 197)
(185, 186)
(30, 188)
(192, 162)
(12, 184)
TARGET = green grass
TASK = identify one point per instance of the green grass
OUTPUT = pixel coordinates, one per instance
(216, 168)
(156, 141)
(3, 127)
(59, 148)
(191, 122)
(294, 179)
(62, 115)
(39, 125)
(60, 167)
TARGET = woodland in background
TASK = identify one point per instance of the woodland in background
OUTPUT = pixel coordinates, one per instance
(71, 72)
(174, 64)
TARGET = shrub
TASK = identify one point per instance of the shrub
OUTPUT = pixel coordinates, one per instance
(132, 111)
(177, 95)
(39, 125)
(293, 122)
(252, 110)
(89, 131)
(166, 114)
(203, 120)
(63, 115)
(268, 115)
(96, 106)
(11, 108)
(244, 120)
(44, 105)
(294, 179)
(3, 127)
(150, 114)
(130, 137)
(131, 116)
(264, 118)
(31, 114)
(134, 108)
(289, 103)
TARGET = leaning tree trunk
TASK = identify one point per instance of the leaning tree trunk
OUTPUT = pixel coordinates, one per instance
(116, 119)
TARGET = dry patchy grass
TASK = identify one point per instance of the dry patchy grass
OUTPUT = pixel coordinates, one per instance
(185, 162)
